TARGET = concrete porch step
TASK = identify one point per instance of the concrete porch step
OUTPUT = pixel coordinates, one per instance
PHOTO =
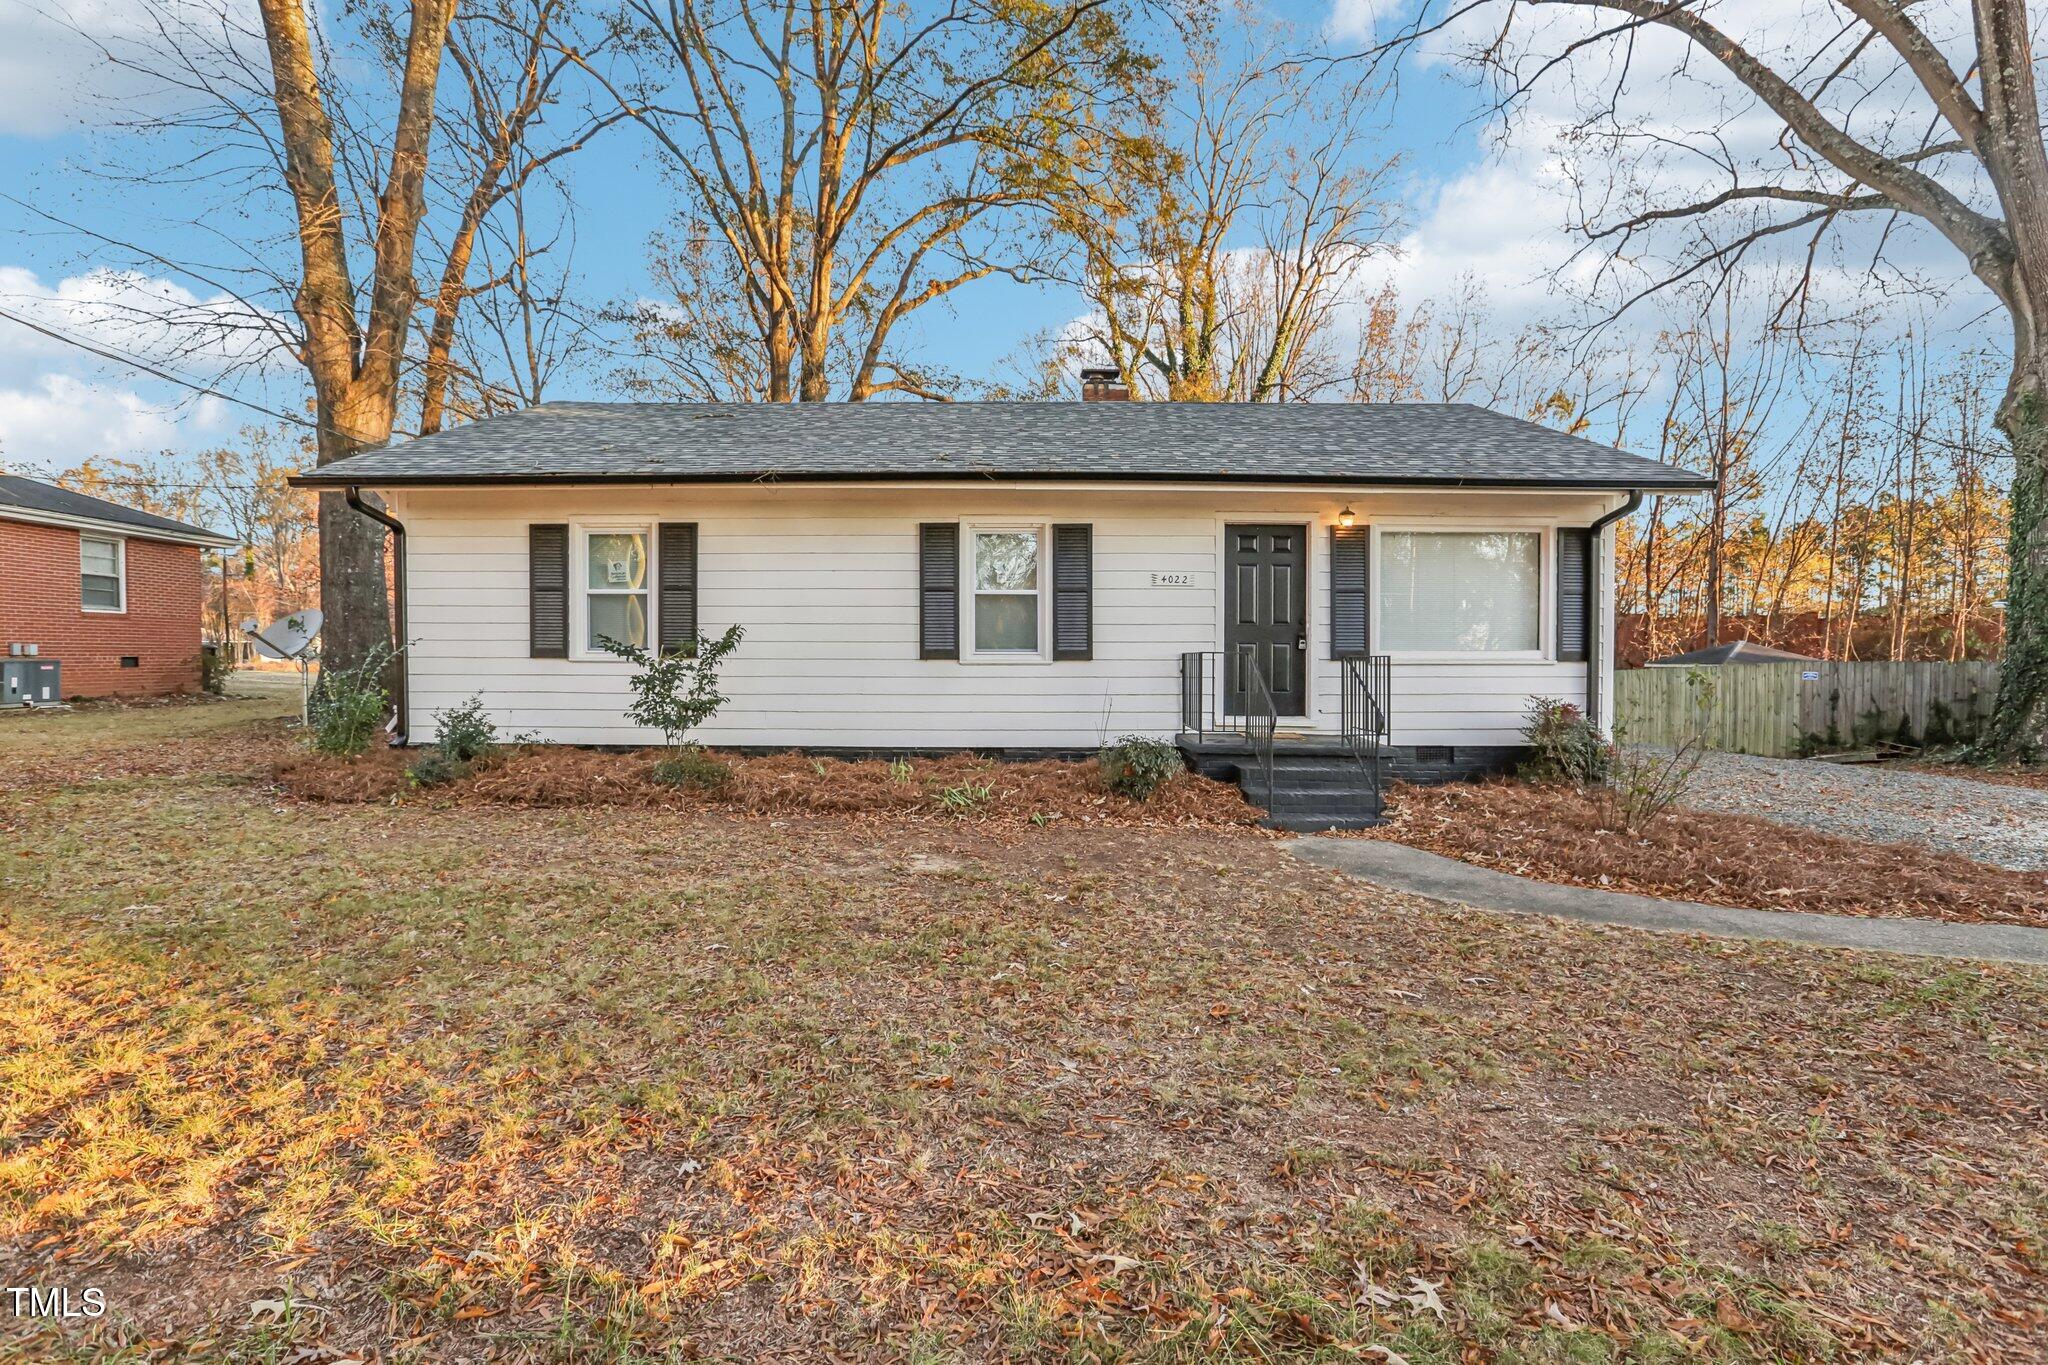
(1318, 781)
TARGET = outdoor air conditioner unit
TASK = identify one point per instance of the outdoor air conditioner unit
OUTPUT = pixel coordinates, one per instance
(31, 682)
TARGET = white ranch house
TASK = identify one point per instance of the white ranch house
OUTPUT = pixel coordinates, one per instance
(1317, 589)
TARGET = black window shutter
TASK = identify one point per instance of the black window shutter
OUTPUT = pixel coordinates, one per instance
(938, 590)
(1073, 592)
(547, 591)
(1350, 587)
(1574, 592)
(675, 613)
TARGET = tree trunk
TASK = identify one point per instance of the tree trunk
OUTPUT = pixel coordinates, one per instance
(2019, 722)
(354, 598)
(1719, 529)
(354, 365)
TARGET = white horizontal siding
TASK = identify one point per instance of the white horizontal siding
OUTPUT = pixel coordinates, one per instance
(825, 581)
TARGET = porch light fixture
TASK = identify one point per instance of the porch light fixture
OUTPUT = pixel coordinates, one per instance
(1347, 518)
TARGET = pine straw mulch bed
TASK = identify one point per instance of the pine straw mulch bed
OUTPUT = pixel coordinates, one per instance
(785, 784)
(1556, 833)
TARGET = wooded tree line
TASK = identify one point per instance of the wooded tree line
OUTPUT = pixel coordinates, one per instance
(1861, 483)
(1871, 525)
(1207, 182)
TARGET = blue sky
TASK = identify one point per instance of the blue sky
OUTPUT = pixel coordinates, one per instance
(1470, 208)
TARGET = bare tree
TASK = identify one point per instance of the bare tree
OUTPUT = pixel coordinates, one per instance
(1218, 255)
(1736, 387)
(353, 354)
(325, 196)
(245, 489)
(522, 329)
(695, 341)
(1873, 118)
(860, 161)
(514, 58)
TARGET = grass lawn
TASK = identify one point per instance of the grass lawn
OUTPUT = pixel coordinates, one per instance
(286, 1080)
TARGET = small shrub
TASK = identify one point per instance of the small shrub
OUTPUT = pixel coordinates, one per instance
(966, 797)
(692, 766)
(348, 704)
(1645, 783)
(675, 692)
(1564, 746)
(436, 768)
(1136, 767)
(465, 733)
(216, 666)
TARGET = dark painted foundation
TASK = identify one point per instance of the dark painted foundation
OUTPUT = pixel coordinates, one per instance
(1430, 764)
(1424, 765)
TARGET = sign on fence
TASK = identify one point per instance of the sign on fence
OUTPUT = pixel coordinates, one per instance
(1783, 710)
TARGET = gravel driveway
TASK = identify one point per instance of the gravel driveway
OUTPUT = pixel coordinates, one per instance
(2004, 826)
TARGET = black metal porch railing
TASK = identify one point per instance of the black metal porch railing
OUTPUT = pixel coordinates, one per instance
(1212, 693)
(1262, 720)
(1365, 698)
(1217, 695)
(1224, 694)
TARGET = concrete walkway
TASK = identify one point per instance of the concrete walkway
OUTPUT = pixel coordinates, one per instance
(1446, 879)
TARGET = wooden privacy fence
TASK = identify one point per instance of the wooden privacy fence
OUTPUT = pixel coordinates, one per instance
(1783, 710)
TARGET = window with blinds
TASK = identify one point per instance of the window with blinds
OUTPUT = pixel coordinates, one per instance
(1460, 592)
(99, 574)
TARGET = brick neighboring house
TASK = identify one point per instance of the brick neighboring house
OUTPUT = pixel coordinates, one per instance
(111, 592)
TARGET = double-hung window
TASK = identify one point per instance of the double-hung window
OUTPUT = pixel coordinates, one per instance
(1460, 592)
(102, 576)
(615, 588)
(1005, 567)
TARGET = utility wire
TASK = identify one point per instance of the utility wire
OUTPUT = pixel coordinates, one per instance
(44, 471)
(169, 378)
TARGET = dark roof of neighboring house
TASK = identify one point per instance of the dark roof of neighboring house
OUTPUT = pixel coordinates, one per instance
(35, 496)
(1432, 444)
(1734, 652)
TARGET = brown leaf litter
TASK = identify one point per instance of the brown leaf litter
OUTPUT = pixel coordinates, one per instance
(965, 786)
(1557, 833)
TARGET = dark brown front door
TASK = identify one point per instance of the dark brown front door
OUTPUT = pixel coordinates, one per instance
(1265, 612)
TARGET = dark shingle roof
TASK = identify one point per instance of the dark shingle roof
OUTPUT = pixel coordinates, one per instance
(1734, 652)
(1411, 443)
(33, 495)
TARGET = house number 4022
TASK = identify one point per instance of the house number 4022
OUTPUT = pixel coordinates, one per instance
(1173, 580)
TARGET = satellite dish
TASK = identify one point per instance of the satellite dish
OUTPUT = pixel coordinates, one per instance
(288, 638)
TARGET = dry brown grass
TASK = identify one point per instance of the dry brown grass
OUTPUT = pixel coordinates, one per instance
(1557, 833)
(958, 786)
(436, 1082)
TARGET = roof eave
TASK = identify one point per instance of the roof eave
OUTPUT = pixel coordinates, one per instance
(184, 535)
(337, 479)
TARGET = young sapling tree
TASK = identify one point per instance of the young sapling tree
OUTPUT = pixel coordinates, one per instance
(674, 692)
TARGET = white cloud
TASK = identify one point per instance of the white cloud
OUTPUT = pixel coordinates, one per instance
(63, 63)
(59, 420)
(60, 404)
(1357, 21)
(154, 319)
(51, 74)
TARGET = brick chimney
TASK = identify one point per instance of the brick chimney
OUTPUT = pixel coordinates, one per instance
(1103, 385)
